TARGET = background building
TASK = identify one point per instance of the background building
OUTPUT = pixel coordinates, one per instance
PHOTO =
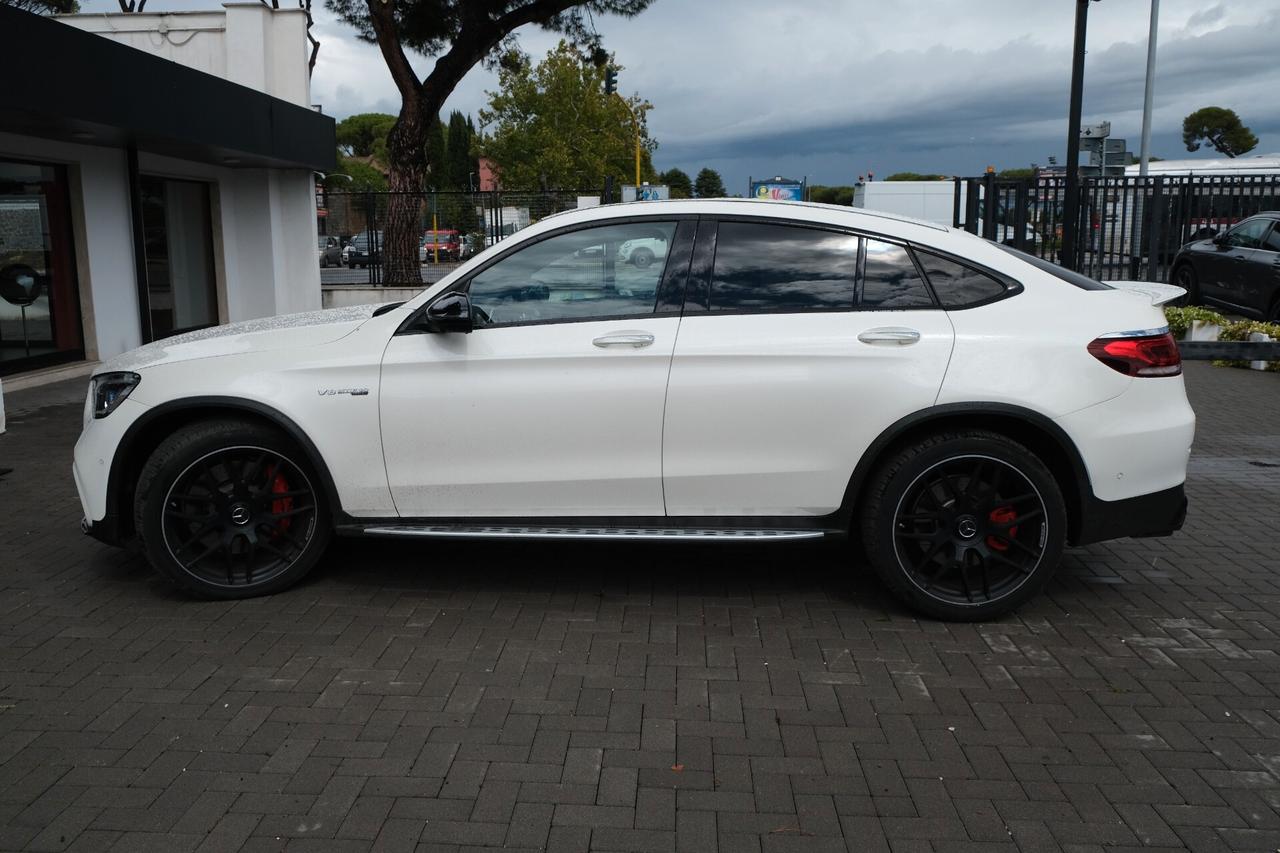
(156, 175)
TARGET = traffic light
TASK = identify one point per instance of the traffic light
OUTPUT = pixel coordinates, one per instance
(610, 81)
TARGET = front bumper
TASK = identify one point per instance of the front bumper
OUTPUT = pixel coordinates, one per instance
(1157, 514)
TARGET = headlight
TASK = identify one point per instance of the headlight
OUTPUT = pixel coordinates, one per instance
(109, 390)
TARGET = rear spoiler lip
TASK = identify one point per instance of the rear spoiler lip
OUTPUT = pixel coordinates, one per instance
(1159, 294)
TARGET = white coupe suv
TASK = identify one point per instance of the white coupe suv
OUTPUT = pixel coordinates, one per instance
(784, 371)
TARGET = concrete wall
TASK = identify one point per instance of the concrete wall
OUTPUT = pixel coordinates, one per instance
(338, 296)
(247, 43)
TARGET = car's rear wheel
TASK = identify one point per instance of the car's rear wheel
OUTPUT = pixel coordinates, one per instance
(230, 509)
(642, 257)
(1185, 277)
(964, 525)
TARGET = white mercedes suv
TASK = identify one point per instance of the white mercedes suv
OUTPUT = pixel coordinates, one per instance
(784, 371)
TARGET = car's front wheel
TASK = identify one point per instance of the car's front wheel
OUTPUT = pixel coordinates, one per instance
(964, 525)
(230, 509)
(642, 257)
(1185, 277)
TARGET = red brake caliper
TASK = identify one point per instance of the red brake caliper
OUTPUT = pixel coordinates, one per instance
(278, 486)
(1002, 515)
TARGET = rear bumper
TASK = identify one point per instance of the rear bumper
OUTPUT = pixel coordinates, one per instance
(1157, 514)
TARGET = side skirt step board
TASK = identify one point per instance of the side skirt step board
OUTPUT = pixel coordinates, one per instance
(673, 534)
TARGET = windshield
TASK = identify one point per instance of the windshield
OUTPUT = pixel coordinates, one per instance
(1069, 276)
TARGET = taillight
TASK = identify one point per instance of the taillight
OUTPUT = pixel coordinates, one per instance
(1139, 355)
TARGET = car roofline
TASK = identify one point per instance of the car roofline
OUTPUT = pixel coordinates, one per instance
(629, 209)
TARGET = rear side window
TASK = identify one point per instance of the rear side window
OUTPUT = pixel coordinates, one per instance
(782, 268)
(890, 280)
(956, 285)
(1272, 243)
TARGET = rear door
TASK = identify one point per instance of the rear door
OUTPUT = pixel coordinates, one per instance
(797, 348)
(1261, 285)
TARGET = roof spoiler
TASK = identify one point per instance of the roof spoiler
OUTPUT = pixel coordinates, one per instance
(1159, 294)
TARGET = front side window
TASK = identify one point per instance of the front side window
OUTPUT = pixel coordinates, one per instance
(1272, 243)
(610, 271)
(1248, 234)
(783, 268)
(957, 285)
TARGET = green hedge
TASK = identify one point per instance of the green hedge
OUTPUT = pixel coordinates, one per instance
(1180, 320)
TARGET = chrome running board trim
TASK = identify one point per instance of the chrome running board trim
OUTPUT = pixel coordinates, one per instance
(720, 534)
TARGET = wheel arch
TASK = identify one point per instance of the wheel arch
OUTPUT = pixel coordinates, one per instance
(1035, 431)
(161, 421)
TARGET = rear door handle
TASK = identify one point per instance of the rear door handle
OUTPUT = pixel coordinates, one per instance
(624, 339)
(899, 335)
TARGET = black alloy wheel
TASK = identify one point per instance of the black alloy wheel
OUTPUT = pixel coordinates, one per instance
(1185, 277)
(970, 529)
(239, 516)
(230, 509)
(964, 525)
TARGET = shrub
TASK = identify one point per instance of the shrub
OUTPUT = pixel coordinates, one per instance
(1180, 318)
(1240, 331)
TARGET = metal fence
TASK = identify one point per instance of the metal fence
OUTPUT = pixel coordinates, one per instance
(1129, 228)
(480, 219)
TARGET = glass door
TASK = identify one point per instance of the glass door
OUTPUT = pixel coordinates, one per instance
(177, 223)
(39, 301)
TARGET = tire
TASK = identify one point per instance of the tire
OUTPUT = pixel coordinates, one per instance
(324, 262)
(1184, 276)
(231, 509)
(642, 257)
(945, 501)
(351, 265)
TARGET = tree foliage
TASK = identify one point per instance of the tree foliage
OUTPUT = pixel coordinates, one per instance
(365, 177)
(1024, 172)
(709, 184)
(831, 195)
(459, 34)
(678, 181)
(915, 176)
(1219, 128)
(45, 7)
(364, 135)
(552, 125)
(460, 160)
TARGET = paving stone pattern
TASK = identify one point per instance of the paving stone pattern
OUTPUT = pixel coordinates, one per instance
(624, 698)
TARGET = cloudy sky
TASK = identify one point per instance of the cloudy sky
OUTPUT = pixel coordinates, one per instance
(833, 89)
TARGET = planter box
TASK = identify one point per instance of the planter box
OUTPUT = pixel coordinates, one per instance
(1202, 330)
(1259, 365)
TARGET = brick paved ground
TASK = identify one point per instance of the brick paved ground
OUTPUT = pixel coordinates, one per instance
(627, 698)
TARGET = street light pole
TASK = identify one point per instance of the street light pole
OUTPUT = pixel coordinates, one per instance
(1149, 93)
(1071, 204)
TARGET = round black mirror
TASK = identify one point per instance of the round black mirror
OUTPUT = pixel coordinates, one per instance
(20, 284)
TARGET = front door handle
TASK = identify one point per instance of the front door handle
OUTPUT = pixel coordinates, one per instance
(625, 339)
(899, 335)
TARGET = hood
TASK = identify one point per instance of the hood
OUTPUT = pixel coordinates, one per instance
(287, 331)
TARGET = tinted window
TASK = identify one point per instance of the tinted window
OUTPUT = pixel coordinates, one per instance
(1272, 243)
(1069, 276)
(760, 267)
(1248, 234)
(958, 286)
(595, 273)
(890, 279)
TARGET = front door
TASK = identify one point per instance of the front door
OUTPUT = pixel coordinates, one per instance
(552, 407)
(797, 349)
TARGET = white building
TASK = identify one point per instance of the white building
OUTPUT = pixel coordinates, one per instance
(156, 175)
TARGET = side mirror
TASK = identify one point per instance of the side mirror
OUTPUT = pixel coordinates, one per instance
(1220, 240)
(450, 313)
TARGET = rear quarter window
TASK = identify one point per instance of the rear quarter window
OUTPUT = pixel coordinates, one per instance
(1069, 276)
(957, 285)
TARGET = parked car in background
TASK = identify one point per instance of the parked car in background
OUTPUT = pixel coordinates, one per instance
(365, 249)
(330, 251)
(1238, 269)
(964, 410)
(643, 251)
(445, 245)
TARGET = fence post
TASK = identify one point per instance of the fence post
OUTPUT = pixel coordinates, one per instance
(1020, 196)
(1156, 245)
(971, 205)
(989, 206)
(608, 191)
(955, 203)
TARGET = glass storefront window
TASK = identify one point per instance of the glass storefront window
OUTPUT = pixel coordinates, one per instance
(177, 223)
(39, 302)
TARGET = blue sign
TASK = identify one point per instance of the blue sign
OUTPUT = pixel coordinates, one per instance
(777, 190)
